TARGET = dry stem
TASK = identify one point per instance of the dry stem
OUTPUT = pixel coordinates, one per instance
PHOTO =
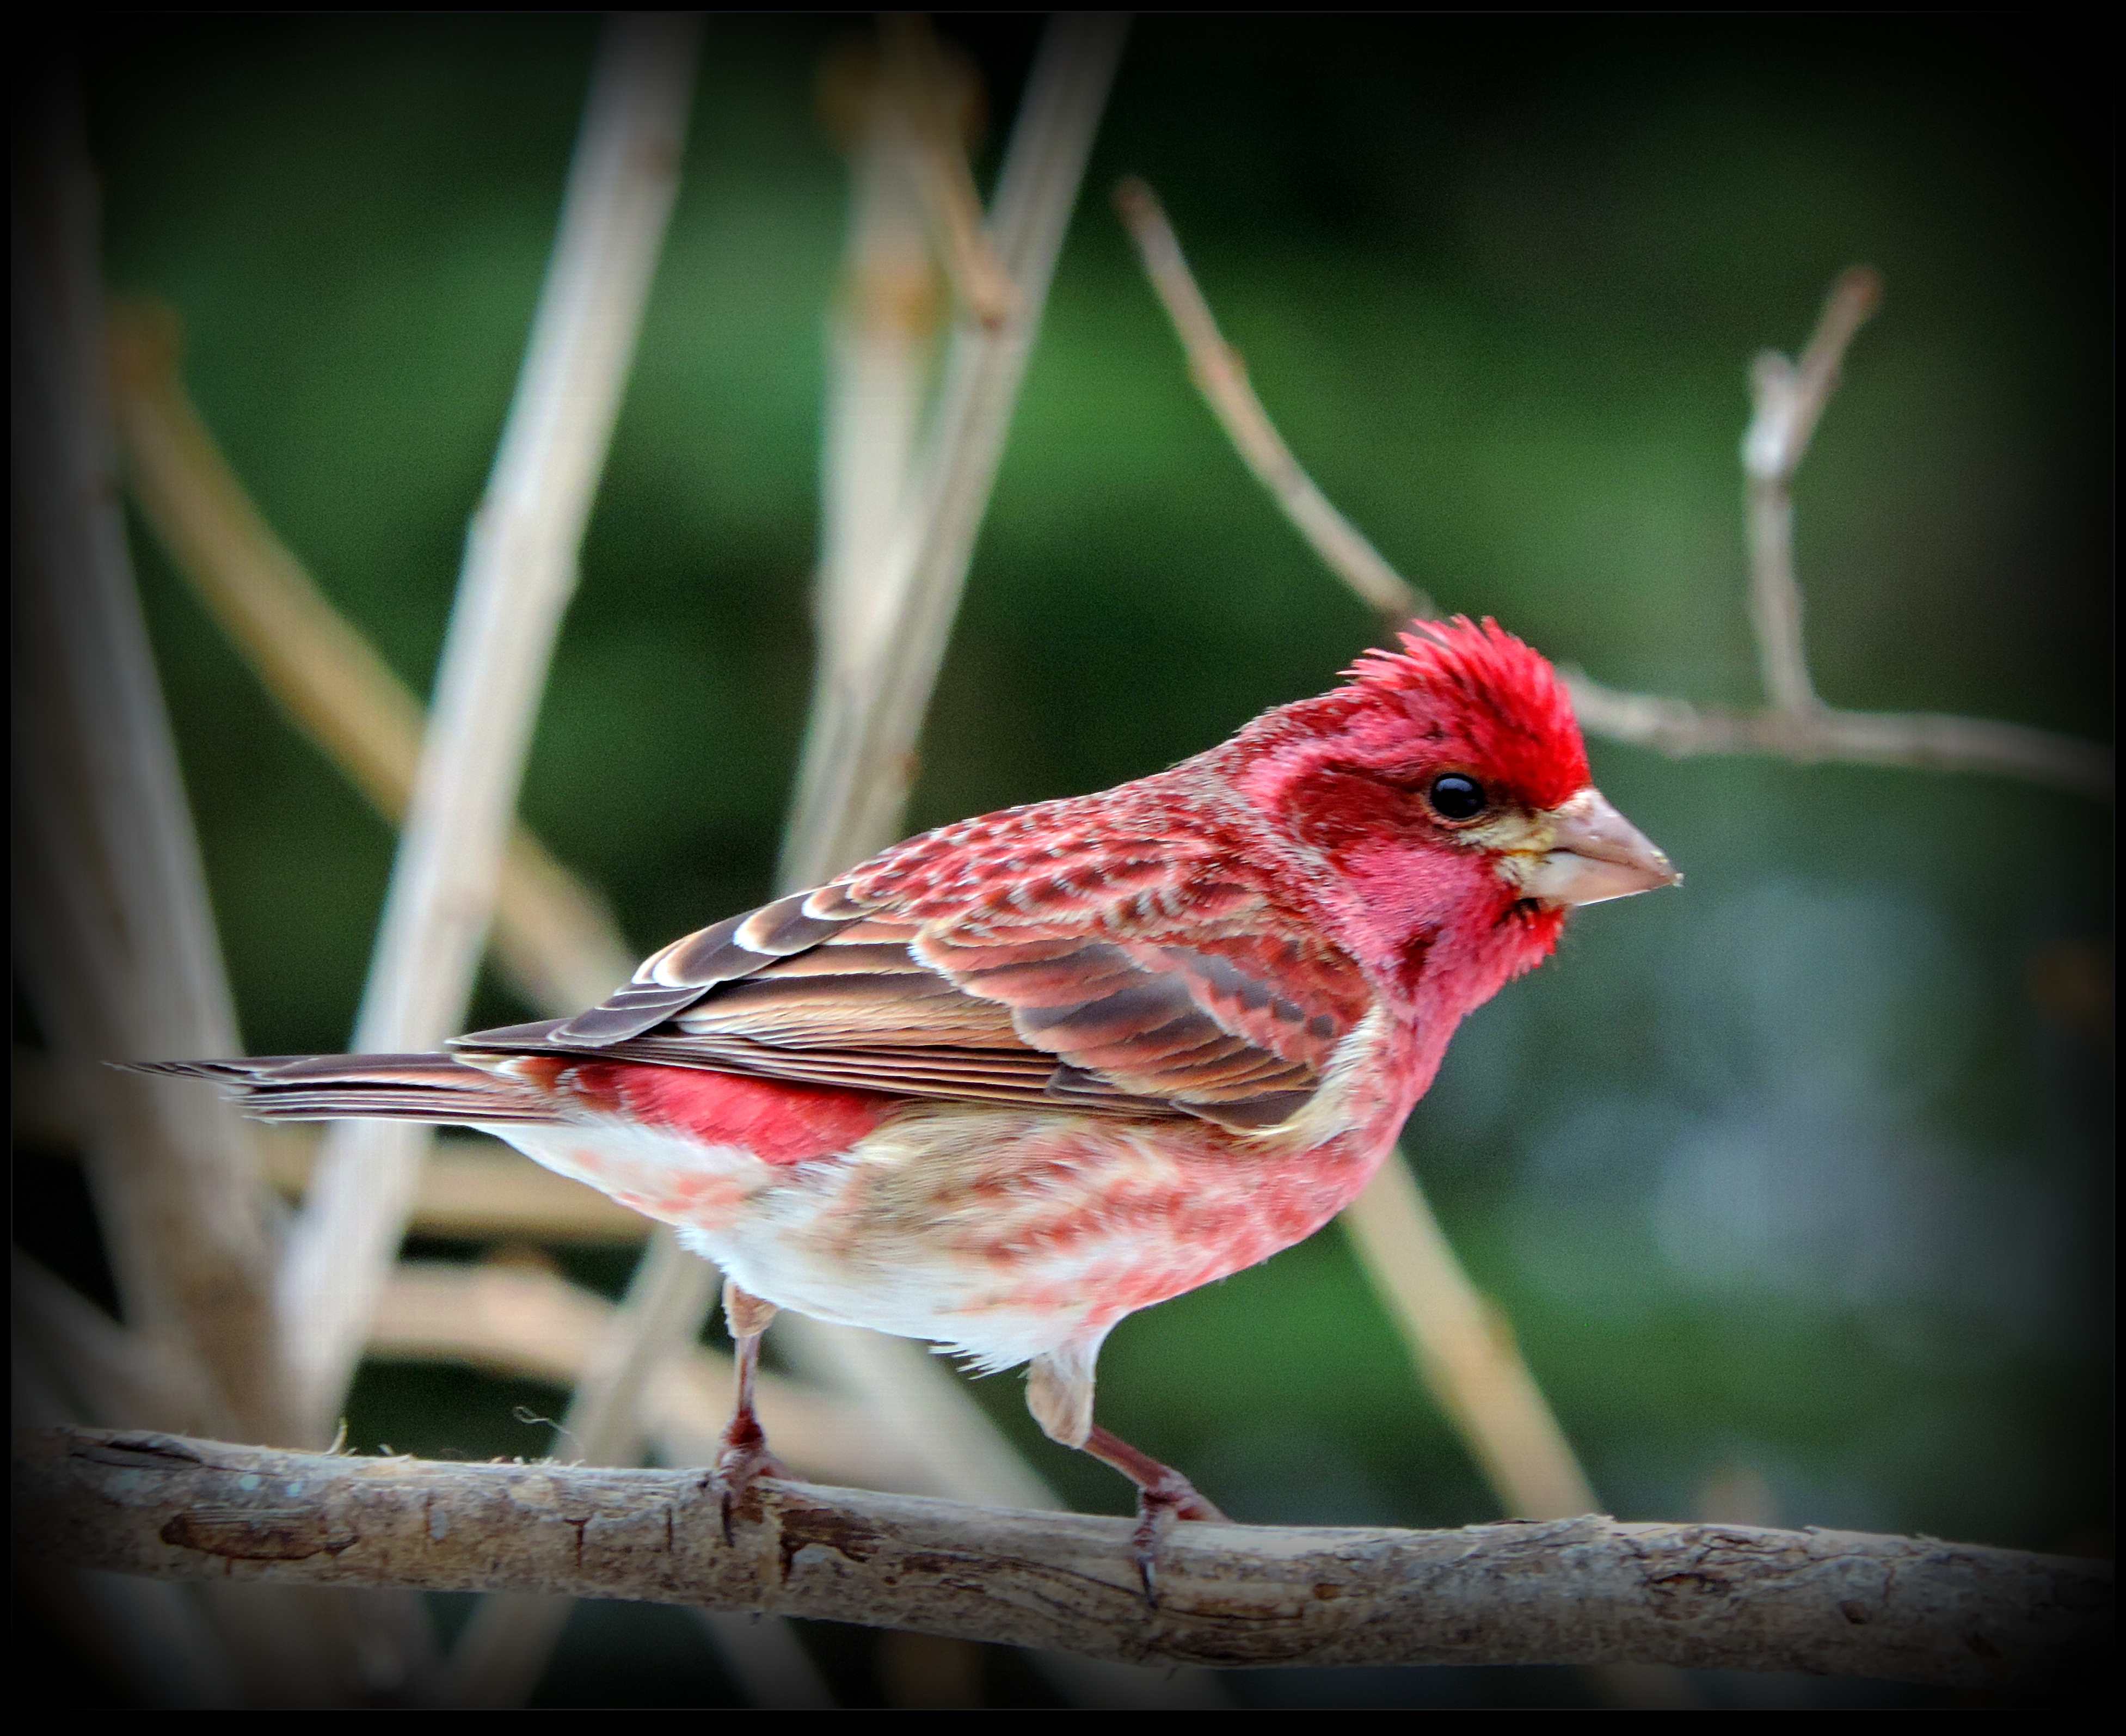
(1581, 1590)
(526, 1324)
(1915, 742)
(856, 777)
(113, 933)
(1465, 1351)
(917, 84)
(519, 573)
(1221, 375)
(1791, 399)
(553, 935)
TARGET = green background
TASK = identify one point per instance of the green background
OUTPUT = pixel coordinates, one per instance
(1784, 1173)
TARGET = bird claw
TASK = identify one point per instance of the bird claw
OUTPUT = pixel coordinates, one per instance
(1160, 1506)
(742, 1463)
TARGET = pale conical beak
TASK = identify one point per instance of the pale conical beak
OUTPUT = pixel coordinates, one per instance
(1594, 853)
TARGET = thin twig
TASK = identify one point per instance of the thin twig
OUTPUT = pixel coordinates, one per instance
(838, 820)
(881, 503)
(1790, 400)
(1222, 377)
(85, 1365)
(1916, 741)
(1582, 1590)
(520, 569)
(1465, 1353)
(524, 1323)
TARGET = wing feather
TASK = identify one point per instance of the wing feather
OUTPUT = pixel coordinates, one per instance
(1147, 979)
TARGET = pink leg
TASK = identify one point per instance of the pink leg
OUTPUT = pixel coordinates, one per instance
(745, 1456)
(1163, 1496)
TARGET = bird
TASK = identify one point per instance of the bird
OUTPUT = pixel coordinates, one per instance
(1008, 1082)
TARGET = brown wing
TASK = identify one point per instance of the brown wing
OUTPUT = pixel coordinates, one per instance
(1191, 997)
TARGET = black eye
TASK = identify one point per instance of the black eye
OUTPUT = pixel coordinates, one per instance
(1454, 796)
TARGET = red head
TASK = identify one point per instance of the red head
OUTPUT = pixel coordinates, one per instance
(1446, 788)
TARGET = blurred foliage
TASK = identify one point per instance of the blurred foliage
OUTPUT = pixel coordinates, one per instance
(1784, 1177)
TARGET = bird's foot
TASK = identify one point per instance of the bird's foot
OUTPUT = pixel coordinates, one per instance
(1161, 1503)
(745, 1459)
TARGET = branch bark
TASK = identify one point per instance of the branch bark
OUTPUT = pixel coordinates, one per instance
(1579, 1591)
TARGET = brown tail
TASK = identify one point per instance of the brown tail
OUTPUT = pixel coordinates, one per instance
(363, 1087)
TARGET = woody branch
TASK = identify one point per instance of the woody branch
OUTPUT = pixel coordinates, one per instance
(1713, 1597)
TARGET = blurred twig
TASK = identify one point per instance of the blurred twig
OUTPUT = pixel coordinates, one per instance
(887, 605)
(916, 93)
(1917, 741)
(1221, 376)
(1461, 1344)
(116, 949)
(520, 569)
(112, 931)
(1465, 1350)
(1790, 400)
(530, 1324)
(1572, 1591)
(553, 935)
(855, 779)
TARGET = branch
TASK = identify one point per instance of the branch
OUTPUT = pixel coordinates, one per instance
(918, 95)
(520, 569)
(1917, 741)
(1581, 1590)
(1222, 377)
(1465, 1353)
(1790, 399)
